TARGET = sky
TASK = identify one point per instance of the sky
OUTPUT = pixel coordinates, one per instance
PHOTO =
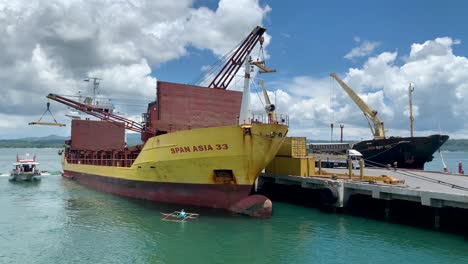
(376, 47)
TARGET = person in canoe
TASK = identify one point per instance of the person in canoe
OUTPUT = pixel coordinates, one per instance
(182, 214)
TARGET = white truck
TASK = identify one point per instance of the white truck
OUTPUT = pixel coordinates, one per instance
(339, 160)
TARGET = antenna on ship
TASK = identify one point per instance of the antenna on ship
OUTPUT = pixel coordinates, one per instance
(105, 106)
(410, 95)
(95, 85)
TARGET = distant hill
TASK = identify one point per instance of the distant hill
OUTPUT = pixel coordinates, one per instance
(455, 145)
(450, 145)
(51, 141)
(54, 141)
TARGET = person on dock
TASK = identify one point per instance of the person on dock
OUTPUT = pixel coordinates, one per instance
(182, 214)
(395, 165)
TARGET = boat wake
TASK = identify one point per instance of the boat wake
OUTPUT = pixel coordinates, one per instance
(48, 173)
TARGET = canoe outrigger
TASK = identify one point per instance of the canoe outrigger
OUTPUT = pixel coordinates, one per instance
(179, 216)
(25, 169)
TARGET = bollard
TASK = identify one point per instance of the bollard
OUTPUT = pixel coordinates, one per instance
(320, 166)
(350, 168)
(361, 169)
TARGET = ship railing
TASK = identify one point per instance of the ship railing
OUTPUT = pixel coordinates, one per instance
(265, 118)
(103, 158)
(102, 162)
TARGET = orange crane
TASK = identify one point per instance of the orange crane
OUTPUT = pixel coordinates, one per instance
(378, 129)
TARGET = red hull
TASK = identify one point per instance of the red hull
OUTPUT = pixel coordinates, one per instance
(229, 197)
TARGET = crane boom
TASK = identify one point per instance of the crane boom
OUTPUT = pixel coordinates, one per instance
(269, 107)
(103, 115)
(229, 70)
(378, 129)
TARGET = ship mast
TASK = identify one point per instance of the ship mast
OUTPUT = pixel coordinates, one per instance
(244, 115)
(410, 95)
(95, 86)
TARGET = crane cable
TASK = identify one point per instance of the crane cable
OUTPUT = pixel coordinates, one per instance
(40, 119)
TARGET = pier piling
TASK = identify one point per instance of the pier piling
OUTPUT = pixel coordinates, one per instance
(441, 195)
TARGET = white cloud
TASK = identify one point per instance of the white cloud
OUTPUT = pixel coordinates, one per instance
(51, 46)
(441, 86)
(437, 47)
(364, 49)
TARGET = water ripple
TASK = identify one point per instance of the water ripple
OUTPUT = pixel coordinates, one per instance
(59, 221)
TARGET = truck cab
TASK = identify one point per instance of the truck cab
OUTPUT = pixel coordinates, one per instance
(354, 156)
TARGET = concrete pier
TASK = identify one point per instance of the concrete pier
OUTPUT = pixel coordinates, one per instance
(423, 190)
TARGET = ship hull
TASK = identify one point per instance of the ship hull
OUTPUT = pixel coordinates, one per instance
(203, 195)
(407, 152)
(208, 167)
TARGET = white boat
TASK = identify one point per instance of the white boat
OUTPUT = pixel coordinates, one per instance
(25, 169)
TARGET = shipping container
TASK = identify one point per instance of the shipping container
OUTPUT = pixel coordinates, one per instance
(96, 135)
(182, 107)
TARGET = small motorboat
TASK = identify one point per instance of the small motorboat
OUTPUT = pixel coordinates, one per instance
(179, 216)
(25, 169)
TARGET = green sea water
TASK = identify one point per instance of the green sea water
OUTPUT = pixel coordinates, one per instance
(58, 221)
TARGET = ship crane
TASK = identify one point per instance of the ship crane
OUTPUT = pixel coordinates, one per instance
(269, 107)
(235, 59)
(369, 113)
(101, 114)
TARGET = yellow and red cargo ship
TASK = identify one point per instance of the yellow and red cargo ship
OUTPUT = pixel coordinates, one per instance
(209, 167)
(194, 152)
(197, 154)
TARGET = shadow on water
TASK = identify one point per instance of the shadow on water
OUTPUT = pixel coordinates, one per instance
(85, 198)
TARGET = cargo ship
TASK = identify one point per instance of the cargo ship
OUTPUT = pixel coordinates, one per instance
(403, 152)
(200, 148)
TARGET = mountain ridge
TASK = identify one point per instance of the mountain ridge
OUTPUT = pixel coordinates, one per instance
(54, 141)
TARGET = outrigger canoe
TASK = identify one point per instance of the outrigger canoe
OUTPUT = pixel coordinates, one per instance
(175, 216)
